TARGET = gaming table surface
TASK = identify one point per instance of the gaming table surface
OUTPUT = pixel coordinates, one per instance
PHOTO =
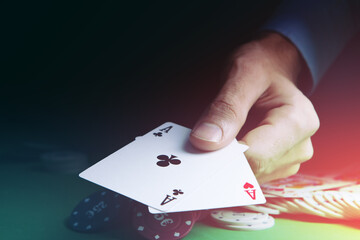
(35, 205)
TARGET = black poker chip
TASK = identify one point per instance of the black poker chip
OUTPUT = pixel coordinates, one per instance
(168, 226)
(99, 211)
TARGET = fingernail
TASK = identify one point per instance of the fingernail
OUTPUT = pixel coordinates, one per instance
(208, 132)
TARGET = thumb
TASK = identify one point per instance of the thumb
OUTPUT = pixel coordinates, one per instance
(225, 116)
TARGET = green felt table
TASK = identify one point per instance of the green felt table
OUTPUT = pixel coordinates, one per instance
(35, 205)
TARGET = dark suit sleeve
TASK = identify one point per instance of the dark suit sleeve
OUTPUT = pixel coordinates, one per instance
(320, 29)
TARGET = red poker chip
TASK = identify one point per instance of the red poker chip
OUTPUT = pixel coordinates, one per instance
(167, 226)
(201, 215)
(197, 215)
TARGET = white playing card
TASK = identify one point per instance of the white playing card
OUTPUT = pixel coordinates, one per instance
(226, 187)
(159, 169)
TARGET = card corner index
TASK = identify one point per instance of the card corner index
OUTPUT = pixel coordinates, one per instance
(169, 123)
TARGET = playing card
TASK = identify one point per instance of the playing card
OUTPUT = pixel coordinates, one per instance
(299, 185)
(233, 186)
(161, 168)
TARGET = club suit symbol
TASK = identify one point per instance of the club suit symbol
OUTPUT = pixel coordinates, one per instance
(158, 134)
(177, 192)
(166, 161)
(169, 198)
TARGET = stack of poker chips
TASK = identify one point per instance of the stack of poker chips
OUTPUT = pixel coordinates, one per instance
(163, 226)
(99, 211)
(330, 204)
(237, 219)
(106, 210)
(331, 197)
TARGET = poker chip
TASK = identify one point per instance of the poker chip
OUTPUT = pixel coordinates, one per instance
(336, 196)
(265, 224)
(292, 207)
(197, 215)
(269, 195)
(228, 217)
(349, 200)
(318, 197)
(167, 226)
(352, 188)
(64, 161)
(339, 198)
(201, 215)
(278, 207)
(98, 211)
(348, 214)
(357, 203)
(263, 209)
(308, 208)
(328, 197)
(328, 212)
(356, 199)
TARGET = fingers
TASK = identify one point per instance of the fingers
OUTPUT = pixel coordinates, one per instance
(263, 74)
(285, 126)
(283, 166)
(283, 172)
(223, 119)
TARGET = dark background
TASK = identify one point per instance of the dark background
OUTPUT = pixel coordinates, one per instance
(91, 76)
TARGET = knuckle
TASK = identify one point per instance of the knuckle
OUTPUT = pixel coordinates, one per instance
(257, 163)
(313, 121)
(250, 62)
(294, 169)
(244, 64)
(256, 167)
(308, 151)
(296, 120)
(304, 117)
(249, 58)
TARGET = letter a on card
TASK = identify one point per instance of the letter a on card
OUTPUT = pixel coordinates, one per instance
(249, 189)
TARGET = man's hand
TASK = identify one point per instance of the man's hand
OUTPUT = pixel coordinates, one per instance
(263, 74)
